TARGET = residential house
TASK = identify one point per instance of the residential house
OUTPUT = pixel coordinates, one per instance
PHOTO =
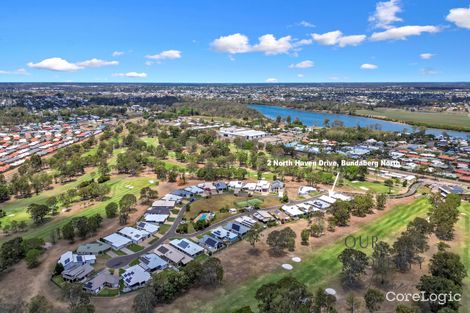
(277, 186)
(134, 234)
(94, 248)
(156, 218)
(135, 277)
(187, 246)
(101, 280)
(152, 262)
(236, 228)
(77, 273)
(172, 254)
(117, 241)
(148, 227)
(70, 259)
(211, 243)
(263, 216)
(224, 234)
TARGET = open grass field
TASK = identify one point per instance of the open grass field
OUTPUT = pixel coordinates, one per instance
(446, 120)
(375, 187)
(119, 187)
(321, 265)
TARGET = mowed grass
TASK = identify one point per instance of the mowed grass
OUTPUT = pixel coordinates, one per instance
(432, 119)
(463, 249)
(16, 208)
(119, 186)
(321, 265)
(375, 187)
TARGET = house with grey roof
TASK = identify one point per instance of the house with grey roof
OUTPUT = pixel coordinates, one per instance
(77, 273)
(101, 280)
(135, 277)
(152, 262)
(173, 255)
(211, 243)
(94, 248)
(187, 246)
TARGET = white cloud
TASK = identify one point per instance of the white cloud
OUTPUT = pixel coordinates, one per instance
(303, 64)
(305, 24)
(272, 80)
(336, 38)
(239, 43)
(164, 55)
(368, 66)
(117, 53)
(426, 56)
(429, 71)
(400, 33)
(96, 63)
(300, 75)
(55, 64)
(20, 71)
(303, 42)
(131, 75)
(386, 14)
(269, 45)
(235, 43)
(460, 17)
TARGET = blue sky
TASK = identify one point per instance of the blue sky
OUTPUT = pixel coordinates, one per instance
(234, 41)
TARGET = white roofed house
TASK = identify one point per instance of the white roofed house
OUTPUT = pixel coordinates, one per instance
(327, 199)
(235, 184)
(262, 186)
(134, 234)
(292, 210)
(305, 190)
(117, 241)
(70, 259)
(170, 197)
(148, 227)
(77, 273)
(187, 246)
(135, 277)
(277, 186)
(263, 216)
(169, 204)
(152, 262)
(172, 254)
(156, 218)
(249, 186)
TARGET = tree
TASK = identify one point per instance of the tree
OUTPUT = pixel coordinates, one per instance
(4, 192)
(212, 273)
(362, 205)
(254, 235)
(38, 212)
(443, 217)
(111, 209)
(340, 213)
(354, 265)
(68, 232)
(373, 299)
(58, 269)
(352, 304)
(439, 285)
(39, 304)
(79, 300)
(381, 260)
(287, 295)
(305, 235)
(279, 240)
(81, 224)
(448, 265)
(126, 202)
(32, 257)
(11, 252)
(144, 301)
(380, 201)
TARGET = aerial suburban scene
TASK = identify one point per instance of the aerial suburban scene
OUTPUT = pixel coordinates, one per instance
(235, 156)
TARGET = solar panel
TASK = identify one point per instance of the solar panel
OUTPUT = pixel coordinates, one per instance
(163, 249)
(183, 244)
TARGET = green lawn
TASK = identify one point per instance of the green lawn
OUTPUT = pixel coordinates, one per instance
(375, 187)
(445, 120)
(134, 247)
(108, 292)
(134, 262)
(249, 202)
(163, 228)
(119, 187)
(322, 264)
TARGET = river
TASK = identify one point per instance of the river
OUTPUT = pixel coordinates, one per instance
(311, 118)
